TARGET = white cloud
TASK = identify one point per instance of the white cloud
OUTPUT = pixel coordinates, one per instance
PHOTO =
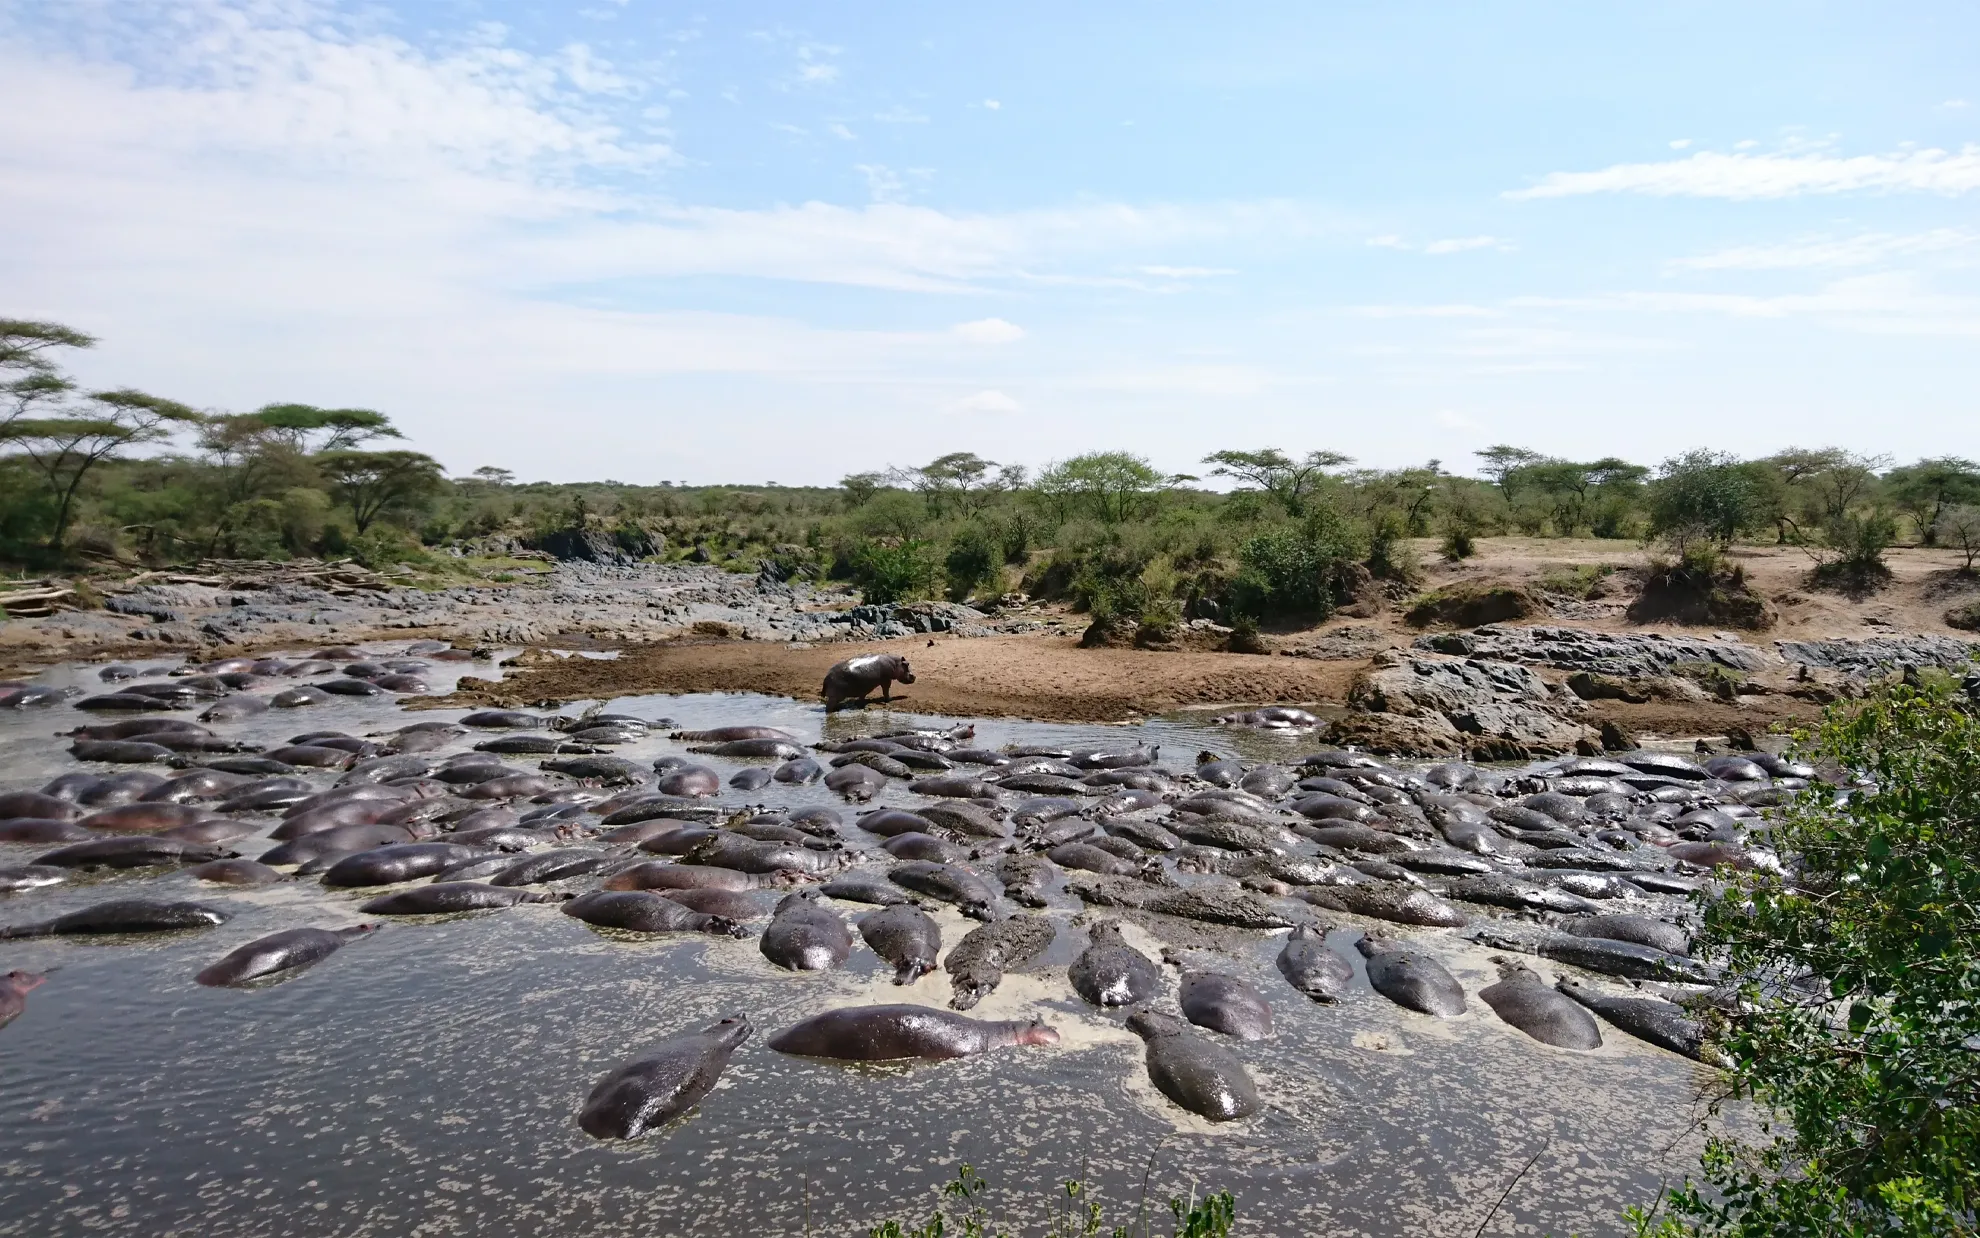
(1388, 240)
(841, 132)
(1168, 272)
(992, 104)
(883, 184)
(1954, 105)
(1894, 303)
(1424, 311)
(1863, 249)
(987, 402)
(1680, 143)
(988, 331)
(814, 68)
(900, 116)
(1709, 174)
(1451, 419)
(1460, 244)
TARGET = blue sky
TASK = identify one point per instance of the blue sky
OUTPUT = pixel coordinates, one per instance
(779, 242)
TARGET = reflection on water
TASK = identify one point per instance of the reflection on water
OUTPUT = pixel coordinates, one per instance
(425, 1080)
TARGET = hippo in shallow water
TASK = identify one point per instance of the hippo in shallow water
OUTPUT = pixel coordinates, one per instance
(14, 988)
(804, 936)
(125, 915)
(288, 951)
(1225, 1004)
(890, 1033)
(905, 936)
(1523, 1000)
(1109, 972)
(1205, 1078)
(1313, 967)
(662, 1083)
(1646, 1018)
(854, 678)
(977, 965)
(1410, 978)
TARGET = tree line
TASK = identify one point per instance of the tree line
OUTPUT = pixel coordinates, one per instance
(124, 476)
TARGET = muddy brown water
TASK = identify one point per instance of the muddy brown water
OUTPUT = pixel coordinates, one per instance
(426, 1080)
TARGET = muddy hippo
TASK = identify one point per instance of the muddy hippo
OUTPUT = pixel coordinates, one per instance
(452, 896)
(1646, 1018)
(14, 988)
(1204, 1078)
(803, 936)
(1225, 1004)
(1523, 1000)
(903, 935)
(853, 678)
(890, 1033)
(977, 965)
(1109, 972)
(1314, 968)
(642, 911)
(661, 1084)
(288, 951)
(1410, 978)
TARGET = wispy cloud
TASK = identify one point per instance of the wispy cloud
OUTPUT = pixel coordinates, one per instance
(901, 116)
(988, 331)
(1893, 303)
(1784, 174)
(987, 402)
(1168, 272)
(1863, 249)
(1449, 245)
(1424, 311)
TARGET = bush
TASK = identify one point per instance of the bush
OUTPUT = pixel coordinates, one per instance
(1297, 571)
(1698, 589)
(1856, 1009)
(1458, 544)
(888, 574)
(1390, 556)
(1584, 580)
(971, 562)
(1469, 605)
(1858, 544)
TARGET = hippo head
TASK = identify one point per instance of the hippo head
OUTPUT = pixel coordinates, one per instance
(906, 675)
(1036, 1033)
(731, 1031)
(24, 981)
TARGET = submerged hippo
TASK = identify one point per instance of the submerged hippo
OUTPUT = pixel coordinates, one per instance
(125, 915)
(1225, 1004)
(1313, 967)
(853, 678)
(661, 1084)
(890, 1033)
(1204, 1078)
(1522, 999)
(905, 936)
(288, 951)
(14, 988)
(803, 936)
(1411, 978)
(977, 965)
(643, 911)
(1646, 1018)
(1109, 972)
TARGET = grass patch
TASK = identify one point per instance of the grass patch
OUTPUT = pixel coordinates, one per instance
(1581, 580)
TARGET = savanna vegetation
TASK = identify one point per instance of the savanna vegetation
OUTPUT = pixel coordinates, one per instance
(123, 477)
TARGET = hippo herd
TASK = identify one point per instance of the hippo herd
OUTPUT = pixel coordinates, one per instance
(1585, 862)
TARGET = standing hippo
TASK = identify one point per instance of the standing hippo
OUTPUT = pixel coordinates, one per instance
(853, 678)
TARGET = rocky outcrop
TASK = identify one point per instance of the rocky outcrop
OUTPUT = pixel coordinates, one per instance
(1629, 655)
(1469, 605)
(1880, 655)
(621, 546)
(1494, 710)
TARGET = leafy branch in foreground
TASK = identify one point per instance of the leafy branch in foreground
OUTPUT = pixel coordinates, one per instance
(1076, 1215)
(1856, 1025)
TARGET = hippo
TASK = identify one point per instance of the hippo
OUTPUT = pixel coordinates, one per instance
(43, 830)
(1314, 968)
(803, 936)
(774, 749)
(1410, 978)
(284, 953)
(134, 852)
(730, 904)
(913, 846)
(865, 888)
(1225, 1004)
(664, 875)
(1646, 1018)
(659, 1085)
(551, 866)
(891, 1033)
(41, 805)
(1387, 900)
(693, 781)
(1028, 879)
(1523, 1000)
(798, 771)
(723, 734)
(753, 779)
(977, 965)
(642, 911)
(728, 849)
(1641, 929)
(124, 915)
(1204, 1078)
(334, 844)
(1109, 972)
(887, 822)
(948, 883)
(1084, 857)
(14, 988)
(905, 936)
(452, 896)
(235, 872)
(15, 878)
(395, 862)
(120, 751)
(857, 783)
(854, 678)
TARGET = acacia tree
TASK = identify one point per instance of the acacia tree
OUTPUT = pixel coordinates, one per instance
(371, 483)
(1290, 482)
(342, 429)
(1505, 465)
(28, 377)
(1701, 496)
(1925, 490)
(64, 449)
(1959, 527)
(1116, 484)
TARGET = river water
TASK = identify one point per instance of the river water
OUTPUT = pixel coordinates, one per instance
(425, 1080)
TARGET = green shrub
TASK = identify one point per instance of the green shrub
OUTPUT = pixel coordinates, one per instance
(887, 574)
(1302, 570)
(1458, 545)
(1580, 581)
(971, 562)
(1856, 1004)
